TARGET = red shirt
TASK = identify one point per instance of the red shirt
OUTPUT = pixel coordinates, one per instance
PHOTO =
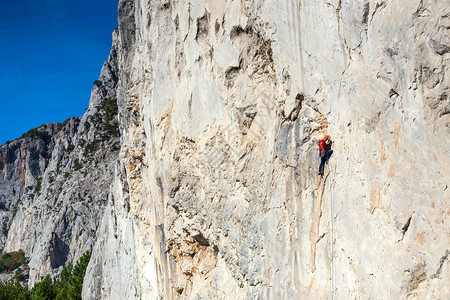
(323, 145)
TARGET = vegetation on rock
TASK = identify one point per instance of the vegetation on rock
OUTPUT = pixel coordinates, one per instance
(70, 148)
(35, 133)
(91, 147)
(109, 112)
(38, 186)
(12, 260)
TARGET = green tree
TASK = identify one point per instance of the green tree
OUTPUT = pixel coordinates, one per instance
(12, 290)
(62, 283)
(44, 290)
(68, 286)
(75, 280)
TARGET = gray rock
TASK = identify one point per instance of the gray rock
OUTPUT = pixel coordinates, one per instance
(222, 103)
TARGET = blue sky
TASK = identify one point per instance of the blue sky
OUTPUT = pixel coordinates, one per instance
(51, 52)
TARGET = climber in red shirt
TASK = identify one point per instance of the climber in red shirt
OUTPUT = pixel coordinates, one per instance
(324, 151)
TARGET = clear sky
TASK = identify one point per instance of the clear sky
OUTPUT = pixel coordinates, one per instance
(50, 53)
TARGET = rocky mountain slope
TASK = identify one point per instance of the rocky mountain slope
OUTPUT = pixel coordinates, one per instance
(55, 182)
(211, 191)
(221, 105)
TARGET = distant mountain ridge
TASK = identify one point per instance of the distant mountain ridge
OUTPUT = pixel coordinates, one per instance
(55, 181)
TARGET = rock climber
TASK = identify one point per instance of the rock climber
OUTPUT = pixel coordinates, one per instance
(324, 151)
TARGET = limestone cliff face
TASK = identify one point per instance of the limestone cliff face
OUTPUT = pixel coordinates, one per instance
(55, 181)
(22, 164)
(221, 105)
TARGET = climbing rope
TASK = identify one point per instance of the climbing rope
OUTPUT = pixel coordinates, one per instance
(332, 232)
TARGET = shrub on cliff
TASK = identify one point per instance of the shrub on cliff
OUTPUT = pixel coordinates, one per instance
(109, 111)
(35, 133)
(11, 260)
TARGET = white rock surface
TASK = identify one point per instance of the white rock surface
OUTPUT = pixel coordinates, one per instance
(221, 105)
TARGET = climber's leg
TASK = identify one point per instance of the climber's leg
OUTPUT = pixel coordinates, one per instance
(322, 162)
(328, 154)
(324, 159)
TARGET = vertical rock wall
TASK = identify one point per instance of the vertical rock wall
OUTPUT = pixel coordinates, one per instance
(221, 105)
(22, 164)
